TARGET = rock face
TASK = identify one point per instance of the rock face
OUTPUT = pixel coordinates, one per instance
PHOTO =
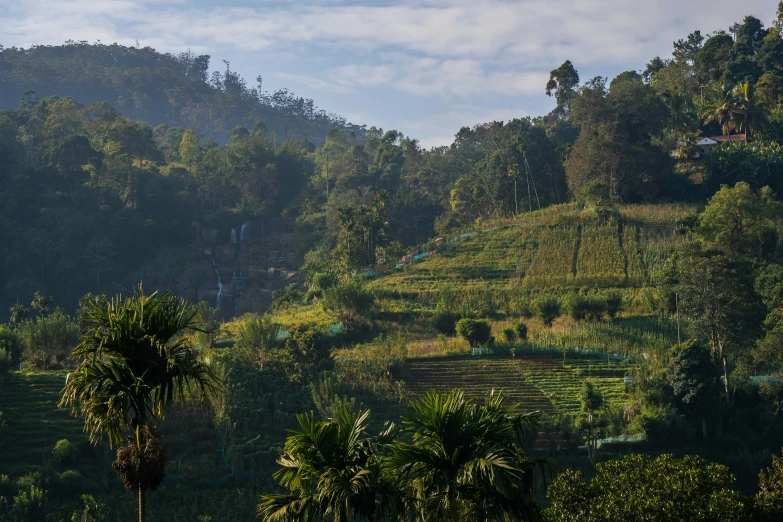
(241, 267)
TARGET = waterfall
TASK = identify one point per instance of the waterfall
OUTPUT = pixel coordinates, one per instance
(242, 230)
(234, 235)
(219, 286)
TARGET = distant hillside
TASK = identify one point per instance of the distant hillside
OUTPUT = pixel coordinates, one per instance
(160, 89)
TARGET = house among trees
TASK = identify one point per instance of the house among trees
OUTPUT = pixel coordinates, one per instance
(705, 144)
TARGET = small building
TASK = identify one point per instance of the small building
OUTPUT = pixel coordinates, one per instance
(714, 141)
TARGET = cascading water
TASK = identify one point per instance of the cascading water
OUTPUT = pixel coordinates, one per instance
(242, 230)
(219, 286)
(233, 235)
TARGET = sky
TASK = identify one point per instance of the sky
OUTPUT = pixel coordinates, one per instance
(423, 67)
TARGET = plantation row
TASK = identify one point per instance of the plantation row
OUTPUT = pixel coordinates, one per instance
(546, 253)
(537, 382)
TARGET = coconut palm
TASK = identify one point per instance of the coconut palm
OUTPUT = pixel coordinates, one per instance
(333, 470)
(465, 460)
(753, 114)
(135, 361)
(723, 107)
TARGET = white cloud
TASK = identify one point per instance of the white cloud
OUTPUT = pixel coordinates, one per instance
(489, 53)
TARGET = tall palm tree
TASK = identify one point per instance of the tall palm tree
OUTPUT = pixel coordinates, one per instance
(465, 460)
(333, 470)
(753, 114)
(135, 361)
(723, 107)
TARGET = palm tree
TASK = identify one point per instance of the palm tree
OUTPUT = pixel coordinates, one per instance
(753, 113)
(722, 107)
(18, 314)
(465, 460)
(334, 470)
(135, 361)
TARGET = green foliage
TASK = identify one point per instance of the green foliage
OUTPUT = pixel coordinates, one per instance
(286, 295)
(509, 335)
(739, 220)
(580, 307)
(590, 398)
(42, 303)
(11, 346)
(305, 354)
(135, 362)
(256, 339)
(30, 505)
(476, 332)
(352, 303)
(464, 460)
(63, 452)
(695, 381)
(638, 487)
(547, 309)
(48, 341)
(333, 469)
(520, 329)
(445, 317)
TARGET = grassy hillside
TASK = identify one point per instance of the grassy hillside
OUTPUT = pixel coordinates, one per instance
(552, 248)
(33, 422)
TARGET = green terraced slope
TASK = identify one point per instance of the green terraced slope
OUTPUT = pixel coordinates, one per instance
(537, 382)
(34, 424)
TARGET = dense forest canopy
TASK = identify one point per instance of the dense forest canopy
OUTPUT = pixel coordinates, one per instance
(139, 145)
(156, 88)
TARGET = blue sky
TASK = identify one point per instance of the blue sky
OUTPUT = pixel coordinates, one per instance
(423, 67)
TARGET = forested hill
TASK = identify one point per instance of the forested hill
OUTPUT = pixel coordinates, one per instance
(157, 88)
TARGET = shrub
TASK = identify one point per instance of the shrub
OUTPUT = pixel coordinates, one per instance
(547, 309)
(581, 307)
(256, 339)
(10, 349)
(509, 335)
(614, 303)
(351, 303)
(306, 353)
(521, 330)
(49, 340)
(322, 281)
(476, 332)
(283, 296)
(445, 317)
(71, 479)
(63, 452)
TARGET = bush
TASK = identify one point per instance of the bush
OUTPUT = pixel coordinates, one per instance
(509, 335)
(581, 307)
(49, 340)
(256, 339)
(322, 281)
(521, 330)
(614, 303)
(10, 349)
(547, 309)
(445, 317)
(283, 296)
(306, 353)
(351, 303)
(71, 480)
(476, 332)
(63, 452)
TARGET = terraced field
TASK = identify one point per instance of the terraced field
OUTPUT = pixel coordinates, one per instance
(33, 422)
(537, 382)
(556, 248)
(476, 378)
(561, 384)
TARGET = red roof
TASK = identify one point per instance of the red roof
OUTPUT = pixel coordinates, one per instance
(733, 137)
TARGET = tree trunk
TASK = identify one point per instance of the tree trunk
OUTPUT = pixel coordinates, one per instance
(142, 510)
